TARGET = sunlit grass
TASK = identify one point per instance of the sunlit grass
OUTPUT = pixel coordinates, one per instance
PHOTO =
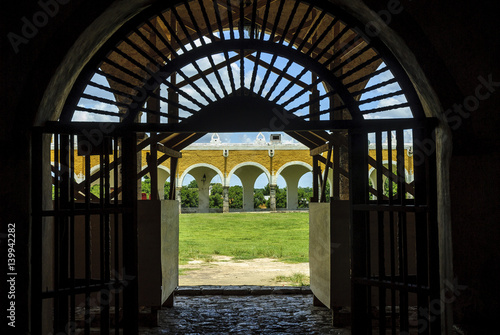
(284, 236)
(297, 279)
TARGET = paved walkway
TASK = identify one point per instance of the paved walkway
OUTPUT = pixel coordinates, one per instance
(259, 311)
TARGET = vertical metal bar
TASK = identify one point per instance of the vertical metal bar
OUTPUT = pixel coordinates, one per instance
(173, 110)
(229, 19)
(392, 232)
(56, 196)
(201, 38)
(105, 295)
(36, 230)
(325, 177)
(316, 173)
(336, 172)
(266, 17)
(242, 50)
(173, 175)
(116, 238)
(421, 232)
(219, 23)
(360, 293)
(153, 104)
(102, 215)
(253, 34)
(254, 72)
(402, 233)
(130, 256)
(277, 20)
(88, 245)
(63, 238)
(72, 234)
(381, 232)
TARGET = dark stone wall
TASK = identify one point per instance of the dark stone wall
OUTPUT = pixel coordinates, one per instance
(456, 44)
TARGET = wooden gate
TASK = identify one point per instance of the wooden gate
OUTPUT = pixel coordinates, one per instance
(394, 233)
(84, 235)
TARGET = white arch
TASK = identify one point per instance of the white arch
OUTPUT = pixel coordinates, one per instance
(164, 168)
(300, 163)
(254, 164)
(386, 163)
(205, 165)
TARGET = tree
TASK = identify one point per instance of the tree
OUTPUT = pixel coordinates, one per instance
(193, 184)
(216, 199)
(166, 190)
(146, 185)
(189, 197)
(280, 197)
(266, 190)
(304, 196)
(258, 198)
(386, 187)
(236, 197)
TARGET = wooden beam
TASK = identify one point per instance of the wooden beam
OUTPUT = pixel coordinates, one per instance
(169, 152)
(318, 150)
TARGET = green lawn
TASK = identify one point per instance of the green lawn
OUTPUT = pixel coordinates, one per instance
(284, 236)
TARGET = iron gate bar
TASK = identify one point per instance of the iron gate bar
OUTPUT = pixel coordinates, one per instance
(88, 260)
(116, 278)
(37, 141)
(166, 82)
(380, 230)
(391, 232)
(72, 232)
(358, 168)
(402, 230)
(210, 58)
(129, 231)
(241, 37)
(366, 78)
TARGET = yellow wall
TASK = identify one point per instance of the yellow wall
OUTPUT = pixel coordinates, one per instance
(215, 158)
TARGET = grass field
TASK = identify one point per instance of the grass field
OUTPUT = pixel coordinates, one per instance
(284, 236)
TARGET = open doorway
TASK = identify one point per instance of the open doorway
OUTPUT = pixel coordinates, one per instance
(166, 80)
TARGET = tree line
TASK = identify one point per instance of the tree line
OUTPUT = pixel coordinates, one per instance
(189, 195)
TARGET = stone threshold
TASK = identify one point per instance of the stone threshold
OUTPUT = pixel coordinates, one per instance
(240, 290)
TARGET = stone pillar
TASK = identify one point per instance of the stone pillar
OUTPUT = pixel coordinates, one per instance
(272, 199)
(162, 178)
(225, 199)
(292, 191)
(203, 196)
(248, 183)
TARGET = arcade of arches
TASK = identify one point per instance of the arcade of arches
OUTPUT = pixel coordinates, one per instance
(247, 161)
(335, 75)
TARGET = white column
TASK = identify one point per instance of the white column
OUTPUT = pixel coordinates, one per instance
(248, 182)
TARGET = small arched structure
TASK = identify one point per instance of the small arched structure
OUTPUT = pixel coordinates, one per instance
(248, 172)
(292, 172)
(203, 173)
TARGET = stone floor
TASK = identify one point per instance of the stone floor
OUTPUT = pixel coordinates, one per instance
(278, 312)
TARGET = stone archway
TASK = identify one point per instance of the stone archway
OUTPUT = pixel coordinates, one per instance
(292, 172)
(203, 173)
(248, 172)
(244, 97)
